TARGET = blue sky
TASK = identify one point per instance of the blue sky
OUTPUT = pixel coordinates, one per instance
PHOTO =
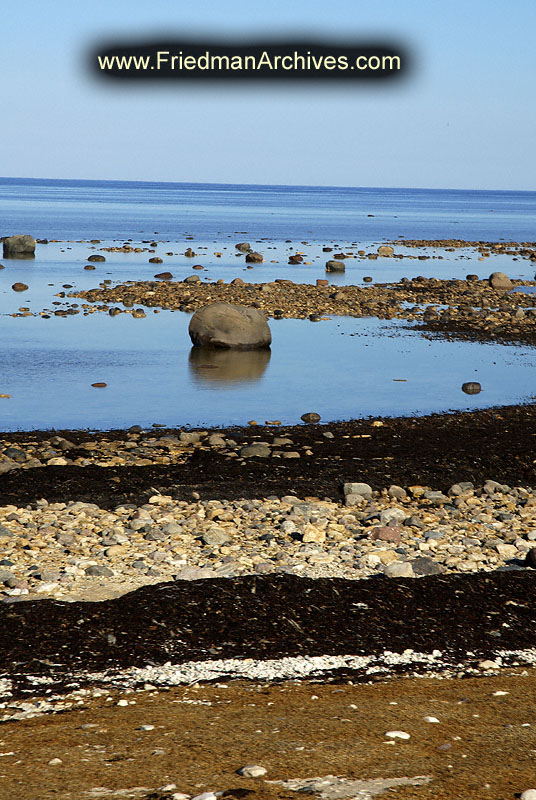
(465, 118)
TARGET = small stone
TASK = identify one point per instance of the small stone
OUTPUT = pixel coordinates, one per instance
(145, 728)
(99, 385)
(205, 796)
(215, 537)
(424, 565)
(530, 558)
(54, 762)
(386, 534)
(252, 771)
(396, 492)
(256, 451)
(190, 437)
(430, 719)
(122, 703)
(19, 287)
(397, 735)
(436, 497)
(488, 665)
(310, 417)
(471, 387)
(335, 266)
(528, 794)
(389, 515)
(386, 250)
(97, 571)
(399, 569)
(362, 489)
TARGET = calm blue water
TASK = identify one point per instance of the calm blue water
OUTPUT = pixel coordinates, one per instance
(62, 209)
(342, 369)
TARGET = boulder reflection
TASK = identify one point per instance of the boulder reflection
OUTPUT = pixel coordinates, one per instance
(210, 366)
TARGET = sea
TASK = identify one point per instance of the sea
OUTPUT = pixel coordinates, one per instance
(342, 368)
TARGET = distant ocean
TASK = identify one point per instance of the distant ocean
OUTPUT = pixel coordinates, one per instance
(72, 209)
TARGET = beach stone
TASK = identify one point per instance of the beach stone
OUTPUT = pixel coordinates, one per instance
(96, 257)
(335, 266)
(396, 492)
(436, 497)
(228, 326)
(19, 287)
(254, 258)
(528, 794)
(96, 570)
(312, 534)
(399, 569)
(498, 280)
(164, 276)
(244, 247)
(255, 450)
(386, 250)
(19, 246)
(310, 417)
(457, 489)
(362, 489)
(189, 437)
(397, 735)
(530, 558)
(424, 565)
(252, 771)
(192, 279)
(215, 537)
(471, 387)
(386, 534)
(389, 515)
(506, 551)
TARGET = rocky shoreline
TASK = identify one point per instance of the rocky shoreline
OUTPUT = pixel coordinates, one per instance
(471, 308)
(97, 514)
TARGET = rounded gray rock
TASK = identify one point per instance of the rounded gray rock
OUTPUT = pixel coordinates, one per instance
(229, 326)
(498, 280)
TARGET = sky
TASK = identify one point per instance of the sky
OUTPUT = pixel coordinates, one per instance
(465, 116)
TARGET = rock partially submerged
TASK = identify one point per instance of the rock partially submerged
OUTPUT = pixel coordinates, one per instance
(19, 246)
(231, 327)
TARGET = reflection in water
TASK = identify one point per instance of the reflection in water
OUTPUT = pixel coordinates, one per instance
(213, 366)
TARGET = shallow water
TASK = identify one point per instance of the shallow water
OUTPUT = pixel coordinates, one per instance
(342, 369)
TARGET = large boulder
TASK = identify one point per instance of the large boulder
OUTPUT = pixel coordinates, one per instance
(231, 327)
(20, 246)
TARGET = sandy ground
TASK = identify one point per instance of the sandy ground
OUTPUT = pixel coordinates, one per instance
(483, 746)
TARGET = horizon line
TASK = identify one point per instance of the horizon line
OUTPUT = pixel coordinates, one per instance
(267, 185)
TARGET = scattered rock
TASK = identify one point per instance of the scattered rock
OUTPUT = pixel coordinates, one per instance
(254, 258)
(19, 287)
(256, 450)
(498, 280)
(335, 266)
(471, 387)
(252, 771)
(310, 417)
(386, 250)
